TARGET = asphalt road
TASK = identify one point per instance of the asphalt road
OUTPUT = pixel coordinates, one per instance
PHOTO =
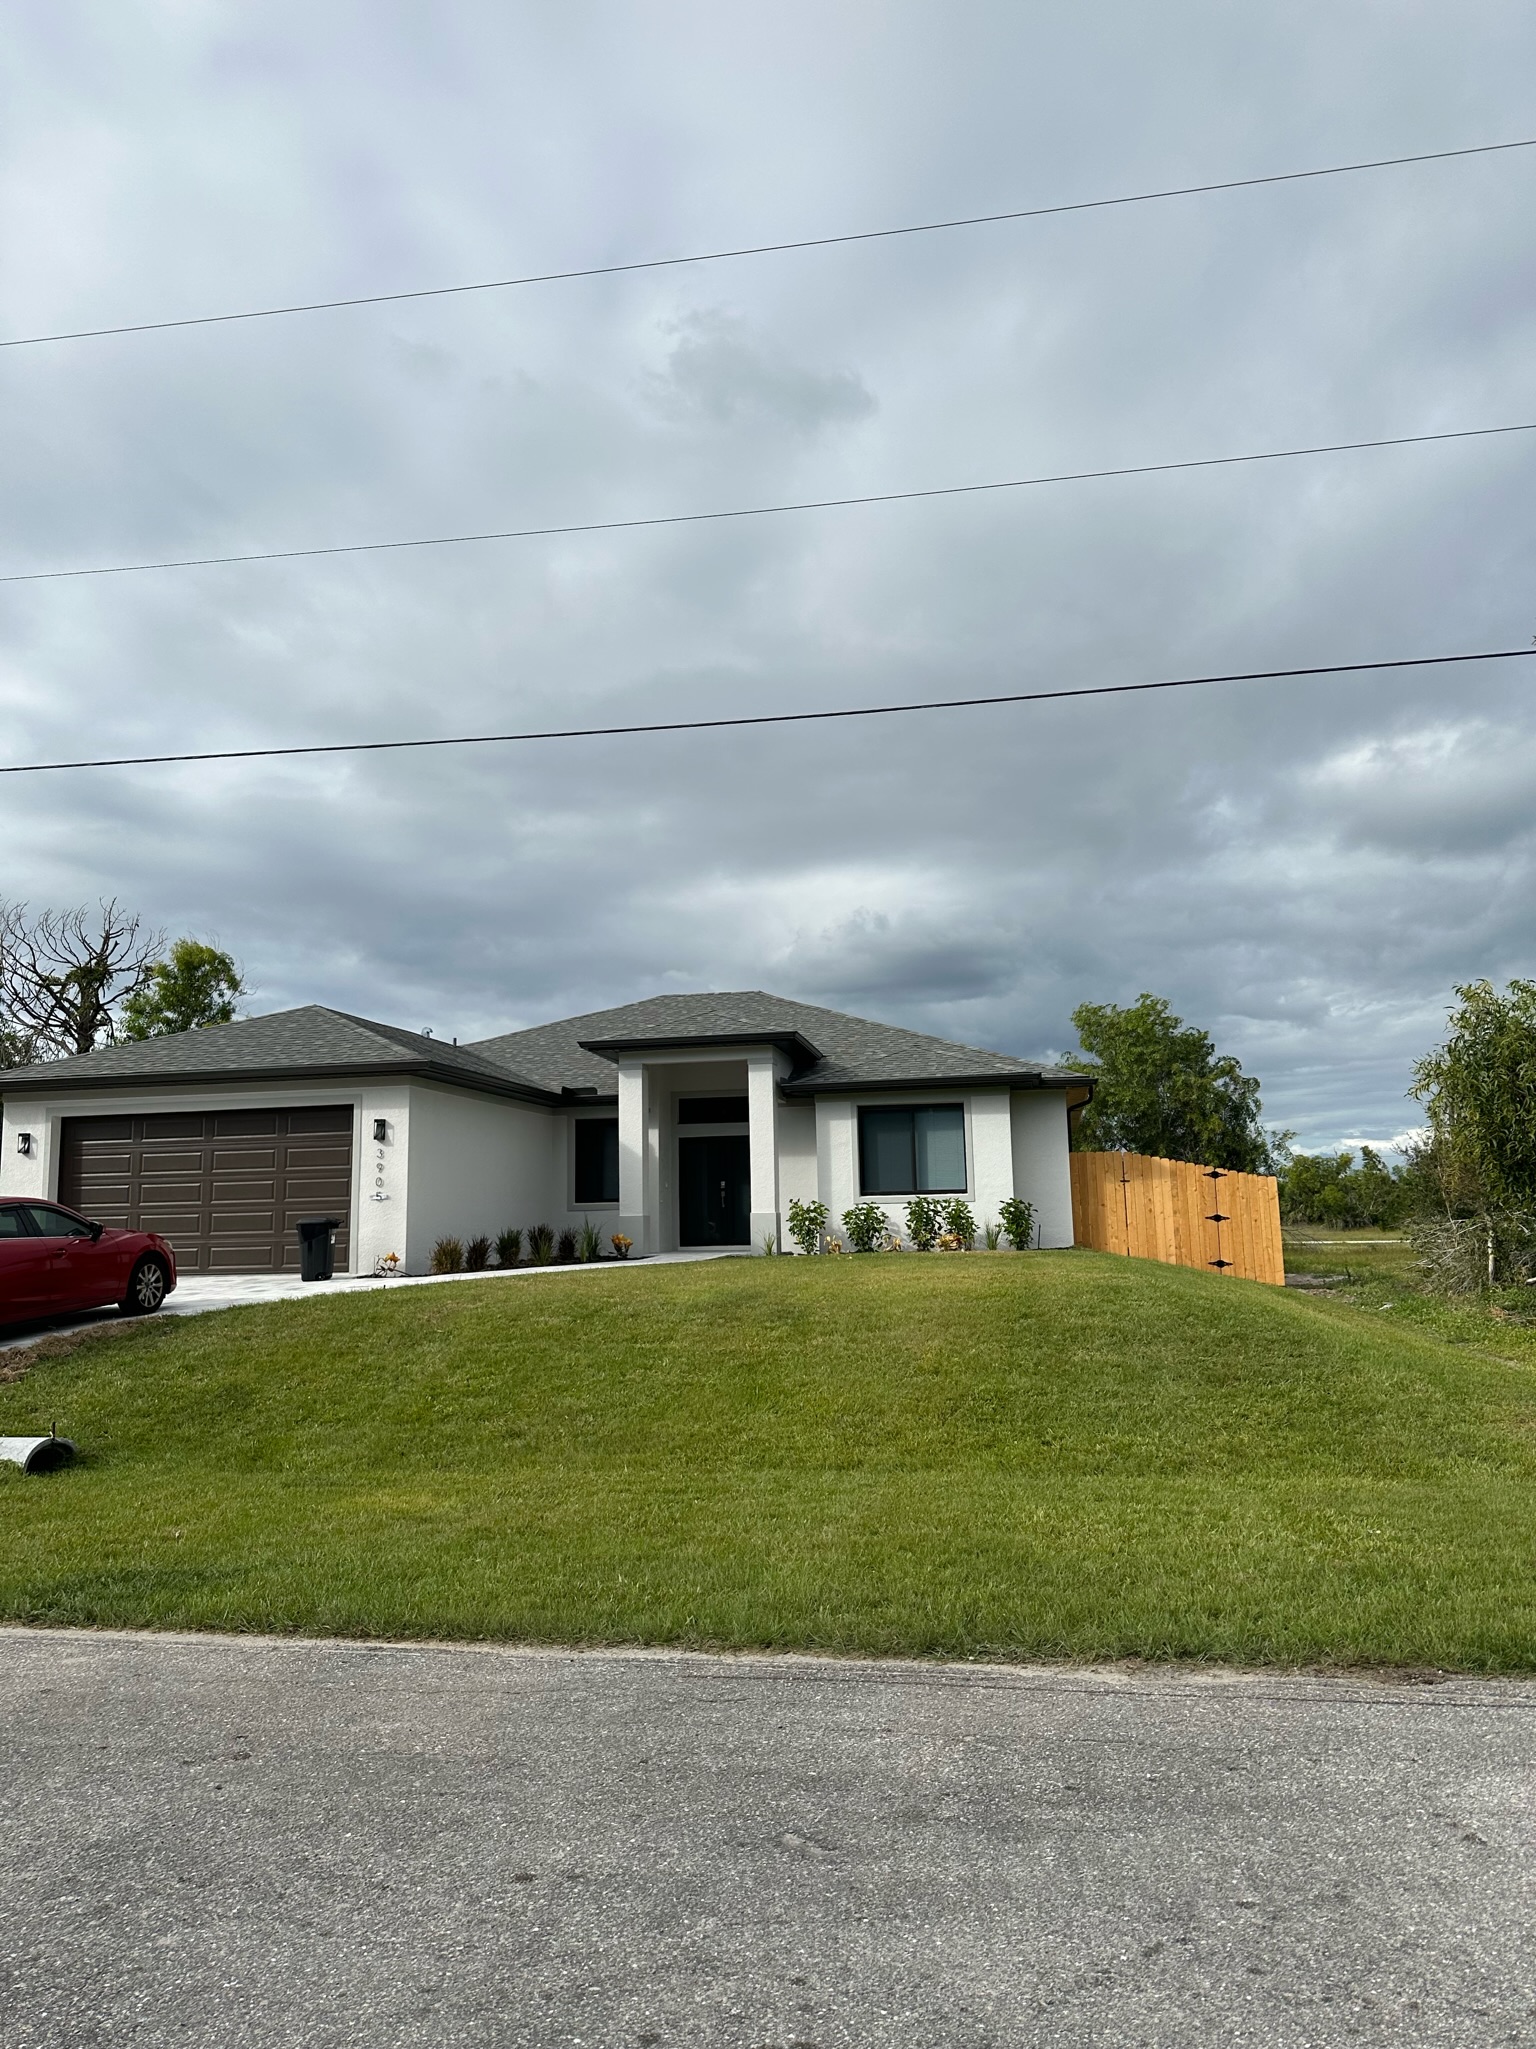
(226, 1842)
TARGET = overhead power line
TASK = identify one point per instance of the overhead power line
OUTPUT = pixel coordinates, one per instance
(766, 718)
(550, 277)
(660, 519)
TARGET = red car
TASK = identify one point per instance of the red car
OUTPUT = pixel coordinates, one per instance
(53, 1261)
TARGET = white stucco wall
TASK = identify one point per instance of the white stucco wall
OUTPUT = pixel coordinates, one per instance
(475, 1164)
(1041, 1172)
(797, 1155)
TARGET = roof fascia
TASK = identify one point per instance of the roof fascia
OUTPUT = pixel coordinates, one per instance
(811, 1086)
(800, 1049)
(405, 1070)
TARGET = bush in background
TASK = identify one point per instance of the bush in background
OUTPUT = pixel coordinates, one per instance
(541, 1244)
(866, 1226)
(477, 1254)
(1018, 1221)
(509, 1247)
(589, 1244)
(959, 1223)
(565, 1248)
(925, 1220)
(807, 1221)
(448, 1256)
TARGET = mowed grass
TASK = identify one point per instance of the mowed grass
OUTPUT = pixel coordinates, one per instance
(1049, 1455)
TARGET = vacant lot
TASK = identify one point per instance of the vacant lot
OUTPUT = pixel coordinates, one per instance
(1039, 1455)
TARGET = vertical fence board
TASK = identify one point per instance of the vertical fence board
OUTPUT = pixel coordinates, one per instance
(1167, 1209)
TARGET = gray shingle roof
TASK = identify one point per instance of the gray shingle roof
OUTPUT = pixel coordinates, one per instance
(290, 1045)
(844, 1052)
(830, 1050)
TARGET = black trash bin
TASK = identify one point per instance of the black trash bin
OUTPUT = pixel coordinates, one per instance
(317, 1247)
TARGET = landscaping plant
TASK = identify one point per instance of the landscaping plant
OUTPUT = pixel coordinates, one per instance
(541, 1244)
(807, 1221)
(589, 1244)
(992, 1236)
(448, 1256)
(477, 1254)
(924, 1222)
(565, 1249)
(1018, 1221)
(509, 1247)
(867, 1227)
(959, 1223)
(622, 1246)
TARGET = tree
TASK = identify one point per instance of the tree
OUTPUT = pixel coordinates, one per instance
(195, 985)
(1328, 1188)
(64, 973)
(1480, 1092)
(1160, 1087)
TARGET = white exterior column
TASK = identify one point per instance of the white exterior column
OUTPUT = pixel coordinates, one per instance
(837, 1166)
(763, 1146)
(634, 1153)
(991, 1167)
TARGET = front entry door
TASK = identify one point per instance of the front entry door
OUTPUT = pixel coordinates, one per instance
(714, 1191)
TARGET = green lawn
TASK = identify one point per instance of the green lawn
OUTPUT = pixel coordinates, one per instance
(1048, 1455)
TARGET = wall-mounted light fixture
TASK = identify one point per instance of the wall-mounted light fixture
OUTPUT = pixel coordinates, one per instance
(24, 1141)
(380, 1129)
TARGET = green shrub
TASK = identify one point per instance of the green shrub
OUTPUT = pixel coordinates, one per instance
(959, 1222)
(565, 1249)
(477, 1254)
(589, 1244)
(925, 1220)
(509, 1247)
(541, 1244)
(867, 1226)
(1018, 1219)
(448, 1256)
(991, 1236)
(807, 1221)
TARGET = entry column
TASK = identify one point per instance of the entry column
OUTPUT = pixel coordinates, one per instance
(634, 1149)
(763, 1145)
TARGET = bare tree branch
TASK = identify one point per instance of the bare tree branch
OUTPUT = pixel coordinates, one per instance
(64, 975)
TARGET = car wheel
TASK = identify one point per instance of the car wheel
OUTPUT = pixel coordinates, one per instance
(146, 1289)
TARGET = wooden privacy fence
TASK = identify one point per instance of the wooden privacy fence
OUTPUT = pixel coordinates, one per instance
(1179, 1213)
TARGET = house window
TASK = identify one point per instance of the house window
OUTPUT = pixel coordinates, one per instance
(712, 1110)
(597, 1159)
(918, 1151)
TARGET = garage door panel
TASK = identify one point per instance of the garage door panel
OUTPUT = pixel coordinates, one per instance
(225, 1187)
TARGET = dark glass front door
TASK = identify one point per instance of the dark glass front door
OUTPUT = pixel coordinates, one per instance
(714, 1192)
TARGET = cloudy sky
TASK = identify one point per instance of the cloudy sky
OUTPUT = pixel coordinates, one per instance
(1306, 868)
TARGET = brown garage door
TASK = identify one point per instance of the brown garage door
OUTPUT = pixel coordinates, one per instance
(226, 1187)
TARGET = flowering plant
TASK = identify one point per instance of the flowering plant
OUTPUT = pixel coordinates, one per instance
(389, 1264)
(621, 1244)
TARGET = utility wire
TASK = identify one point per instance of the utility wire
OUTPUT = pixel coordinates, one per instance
(550, 277)
(767, 718)
(613, 526)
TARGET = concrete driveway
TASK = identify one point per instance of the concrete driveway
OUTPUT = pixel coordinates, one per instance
(242, 1842)
(195, 1294)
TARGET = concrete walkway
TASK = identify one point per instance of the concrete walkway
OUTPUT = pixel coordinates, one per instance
(197, 1293)
(249, 1842)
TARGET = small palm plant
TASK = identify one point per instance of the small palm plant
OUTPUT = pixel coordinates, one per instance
(477, 1254)
(565, 1249)
(589, 1244)
(448, 1256)
(509, 1247)
(541, 1244)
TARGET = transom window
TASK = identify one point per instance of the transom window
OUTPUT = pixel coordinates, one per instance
(597, 1160)
(712, 1110)
(912, 1151)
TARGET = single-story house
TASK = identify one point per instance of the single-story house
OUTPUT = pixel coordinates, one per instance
(679, 1121)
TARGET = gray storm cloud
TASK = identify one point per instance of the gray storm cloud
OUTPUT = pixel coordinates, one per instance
(1306, 868)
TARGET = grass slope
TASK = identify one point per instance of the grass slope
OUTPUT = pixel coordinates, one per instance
(1056, 1455)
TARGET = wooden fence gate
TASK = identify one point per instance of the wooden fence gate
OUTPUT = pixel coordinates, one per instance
(1182, 1214)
